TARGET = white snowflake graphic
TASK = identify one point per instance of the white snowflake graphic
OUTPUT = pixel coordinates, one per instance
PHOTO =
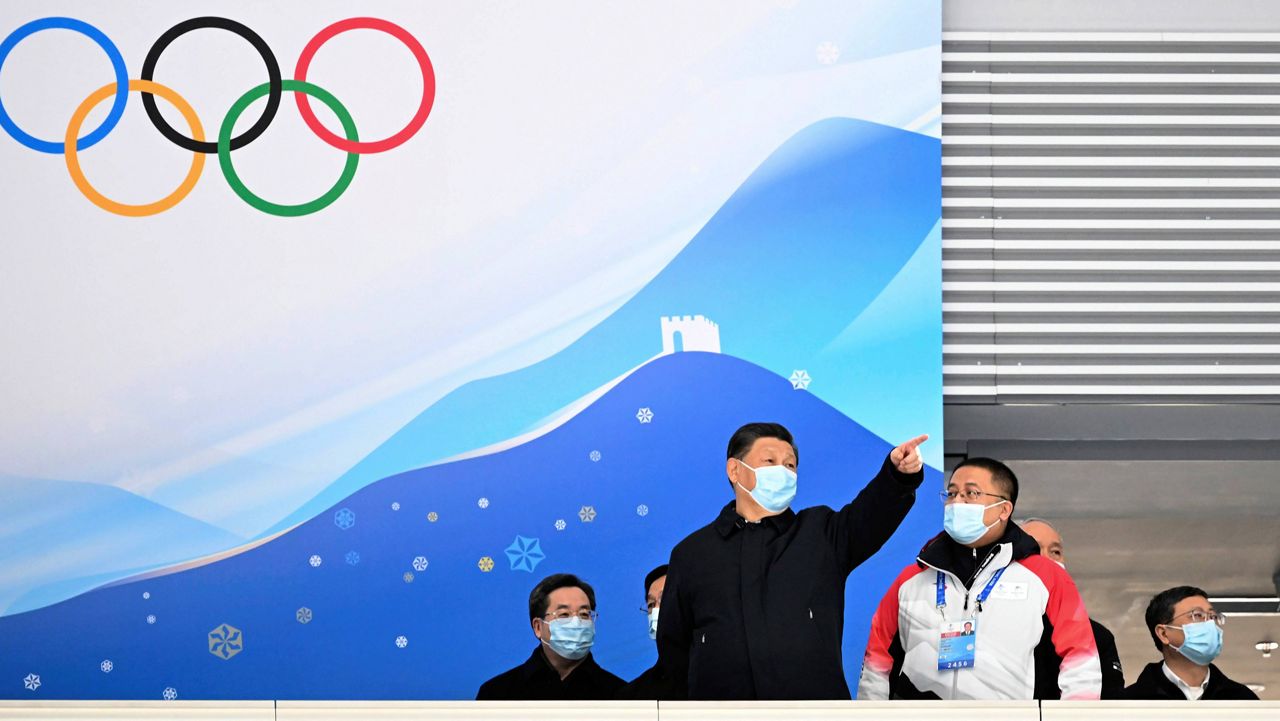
(304, 615)
(151, 618)
(644, 415)
(408, 576)
(169, 694)
(800, 380)
(146, 595)
(32, 681)
(560, 524)
(395, 505)
(315, 560)
(420, 563)
(344, 518)
(106, 665)
(483, 503)
(401, 641)
(433, 517)
(485, 564)
(587, 514)
(642, 510)
(828, 53)
(594, 456)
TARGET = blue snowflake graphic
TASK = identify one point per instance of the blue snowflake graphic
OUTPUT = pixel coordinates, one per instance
(353, 558)
(344, 518)
(525, 554)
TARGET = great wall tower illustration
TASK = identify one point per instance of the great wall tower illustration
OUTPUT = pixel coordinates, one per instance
(695, 333)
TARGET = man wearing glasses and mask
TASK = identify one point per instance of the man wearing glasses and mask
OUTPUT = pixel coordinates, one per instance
(562, 614)
(986, 574)
(754, 601)
(1188, 632)
(653, 684)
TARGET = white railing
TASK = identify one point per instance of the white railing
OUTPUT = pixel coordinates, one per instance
(634, 710)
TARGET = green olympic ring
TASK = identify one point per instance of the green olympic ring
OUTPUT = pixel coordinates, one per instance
(266, 206)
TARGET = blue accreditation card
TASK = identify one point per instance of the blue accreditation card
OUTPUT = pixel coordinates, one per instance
(957, 643)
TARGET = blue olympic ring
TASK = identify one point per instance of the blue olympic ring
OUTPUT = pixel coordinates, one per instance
(117, 63)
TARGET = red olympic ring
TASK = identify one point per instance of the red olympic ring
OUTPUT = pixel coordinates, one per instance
(373, 146)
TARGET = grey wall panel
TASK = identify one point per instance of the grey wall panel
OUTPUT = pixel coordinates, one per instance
(1111, 217)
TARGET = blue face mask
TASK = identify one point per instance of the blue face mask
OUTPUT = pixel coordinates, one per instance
(963, 521)
(775, 487)
(571, 637)
(653, 623)
(1201, 643)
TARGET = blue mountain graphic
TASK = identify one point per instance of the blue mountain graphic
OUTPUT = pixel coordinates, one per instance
(460, 623)
(807, 242)
(73, 536)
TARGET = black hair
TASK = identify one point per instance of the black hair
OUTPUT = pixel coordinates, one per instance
(746, 436)
(1160, 610)
(540, 596)
(1001, 475)
(654, 575)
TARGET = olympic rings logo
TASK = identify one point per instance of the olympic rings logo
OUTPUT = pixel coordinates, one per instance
(72, 143)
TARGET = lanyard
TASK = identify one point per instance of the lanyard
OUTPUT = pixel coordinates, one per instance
(942, 589)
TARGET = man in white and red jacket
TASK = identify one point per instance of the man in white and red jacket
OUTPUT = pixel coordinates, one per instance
(964, 620)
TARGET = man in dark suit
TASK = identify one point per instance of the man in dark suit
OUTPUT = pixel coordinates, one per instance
(1188, 633)
(562, 614)
(654, 684)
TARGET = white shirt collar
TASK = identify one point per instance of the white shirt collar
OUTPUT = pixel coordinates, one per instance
(1193, 693)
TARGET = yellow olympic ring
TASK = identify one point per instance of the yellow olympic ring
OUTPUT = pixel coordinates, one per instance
(102, 201)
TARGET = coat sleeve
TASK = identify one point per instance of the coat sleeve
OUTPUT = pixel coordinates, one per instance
(1109, 658)
(884, 651)
(1079, 671)
(859, 529)
(675, 629)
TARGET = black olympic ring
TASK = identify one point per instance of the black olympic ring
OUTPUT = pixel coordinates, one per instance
(273, 75)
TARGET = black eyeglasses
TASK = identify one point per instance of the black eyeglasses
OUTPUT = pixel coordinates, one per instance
(970, 496)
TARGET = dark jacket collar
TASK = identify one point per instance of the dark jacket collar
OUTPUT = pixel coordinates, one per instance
(943, 552)
(1152, 680)
(539, 669)
(729, 521)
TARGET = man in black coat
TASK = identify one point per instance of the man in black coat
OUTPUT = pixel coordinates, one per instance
(1188, 633)
(754, 601)
(562, 613)
(654, 684)
(1051, 546)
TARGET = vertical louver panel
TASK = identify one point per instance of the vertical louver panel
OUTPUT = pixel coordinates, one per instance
(1111, 217)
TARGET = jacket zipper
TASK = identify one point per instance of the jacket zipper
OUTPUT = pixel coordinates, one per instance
(975, 577)
(955, 673)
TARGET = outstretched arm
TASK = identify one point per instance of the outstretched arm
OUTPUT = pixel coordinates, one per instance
(860, 528)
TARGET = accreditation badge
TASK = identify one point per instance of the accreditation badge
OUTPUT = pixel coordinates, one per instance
(957, 644)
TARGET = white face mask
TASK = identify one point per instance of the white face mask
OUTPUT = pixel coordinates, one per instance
(1060, 563)
(653, 622)
(571, 637)
(963, 521)
(775, 487)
